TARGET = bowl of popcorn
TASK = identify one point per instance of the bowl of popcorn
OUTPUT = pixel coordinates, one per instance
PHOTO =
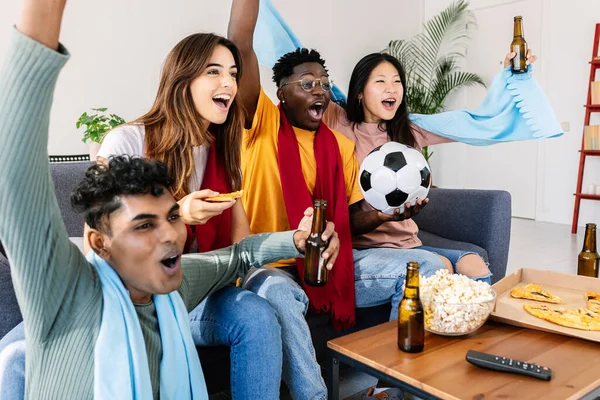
(454, 304)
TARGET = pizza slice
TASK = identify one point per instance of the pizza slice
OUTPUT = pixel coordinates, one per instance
(225, 196)
(559, 316)
(592, 318)
(593, 300)
(578, 318)
(595, 320)
(533, 291)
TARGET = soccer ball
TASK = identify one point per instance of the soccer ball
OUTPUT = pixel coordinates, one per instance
(392, 175)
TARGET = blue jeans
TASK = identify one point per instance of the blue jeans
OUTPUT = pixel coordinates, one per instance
(248, 325)
(12, 364)
(380, 272)
(301, 372)
(231, 316)
(454, 256)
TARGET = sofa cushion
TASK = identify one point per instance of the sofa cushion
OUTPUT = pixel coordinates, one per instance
(10, 315)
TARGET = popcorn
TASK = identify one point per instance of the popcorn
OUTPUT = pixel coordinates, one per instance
(454, 304)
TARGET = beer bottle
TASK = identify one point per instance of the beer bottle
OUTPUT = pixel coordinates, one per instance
(587, 262)
(315, 273)
(411, 317)
(519, 46)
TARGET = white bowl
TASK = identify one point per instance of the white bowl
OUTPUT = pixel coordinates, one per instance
(457, 319)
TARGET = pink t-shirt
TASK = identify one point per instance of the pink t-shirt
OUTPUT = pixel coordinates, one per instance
(367, 136)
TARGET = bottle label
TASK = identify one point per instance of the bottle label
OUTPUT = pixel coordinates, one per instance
(516, 61)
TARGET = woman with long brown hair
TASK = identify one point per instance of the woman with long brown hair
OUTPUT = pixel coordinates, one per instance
(195, 126)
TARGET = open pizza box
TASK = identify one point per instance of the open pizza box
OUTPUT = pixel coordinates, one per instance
(571, 288)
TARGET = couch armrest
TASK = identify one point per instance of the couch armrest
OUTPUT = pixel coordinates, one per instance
(481, 217)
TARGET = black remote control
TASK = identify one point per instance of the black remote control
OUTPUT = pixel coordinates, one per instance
(503, 364)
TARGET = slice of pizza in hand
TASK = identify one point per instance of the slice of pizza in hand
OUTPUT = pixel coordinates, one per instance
(533, 291)
(225, 196)
(593, 300)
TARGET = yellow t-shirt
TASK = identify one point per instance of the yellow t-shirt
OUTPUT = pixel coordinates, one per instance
(263, 196)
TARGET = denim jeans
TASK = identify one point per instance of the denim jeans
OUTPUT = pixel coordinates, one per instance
(231, 316)
(301, 372)
(247, 324)
(454, 256)
(12, 364)
(380, 272)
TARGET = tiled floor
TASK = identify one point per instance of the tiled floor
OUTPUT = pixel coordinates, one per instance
(543, 245)
(533, 244)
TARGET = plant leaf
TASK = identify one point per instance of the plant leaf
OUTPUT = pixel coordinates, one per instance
(98, 124)
(453, 81)
(431, 58)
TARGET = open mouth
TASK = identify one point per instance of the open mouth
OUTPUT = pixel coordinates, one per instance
(170, 262)
(222, 101)
(316, 110)
(389, 104)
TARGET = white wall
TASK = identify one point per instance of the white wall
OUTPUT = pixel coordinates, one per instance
(118, 47)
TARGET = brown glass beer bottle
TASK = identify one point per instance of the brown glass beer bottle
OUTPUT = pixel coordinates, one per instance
(587, 262)
(315, 271)
(411, 317)
(519, 46)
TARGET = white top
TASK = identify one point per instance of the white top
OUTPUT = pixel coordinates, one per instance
(130, 140)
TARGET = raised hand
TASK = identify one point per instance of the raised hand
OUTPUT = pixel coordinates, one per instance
(242, 21)
(41, 20)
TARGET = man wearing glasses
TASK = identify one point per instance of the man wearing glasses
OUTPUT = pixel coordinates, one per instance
(289, 158)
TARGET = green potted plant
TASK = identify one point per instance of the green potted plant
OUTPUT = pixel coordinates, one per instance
(97, 124)
(432, 58)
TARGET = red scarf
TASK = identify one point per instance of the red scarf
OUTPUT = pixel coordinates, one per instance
(337, 296)
(216, 232)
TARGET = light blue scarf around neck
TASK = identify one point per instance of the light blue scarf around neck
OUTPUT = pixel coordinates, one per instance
(514, 109)
(120, 360)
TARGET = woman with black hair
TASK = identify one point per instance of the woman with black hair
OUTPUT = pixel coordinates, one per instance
(376, 113)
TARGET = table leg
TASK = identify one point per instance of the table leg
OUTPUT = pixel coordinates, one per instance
(333, 376)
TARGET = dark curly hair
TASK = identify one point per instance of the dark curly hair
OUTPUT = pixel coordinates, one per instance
(98, 195)
(284, 67)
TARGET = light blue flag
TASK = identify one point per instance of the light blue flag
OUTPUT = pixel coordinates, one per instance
(514, 109)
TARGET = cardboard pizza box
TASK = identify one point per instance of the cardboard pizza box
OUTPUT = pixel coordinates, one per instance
(571, 288)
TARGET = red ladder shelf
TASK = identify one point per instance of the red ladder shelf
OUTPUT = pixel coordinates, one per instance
(589, 109)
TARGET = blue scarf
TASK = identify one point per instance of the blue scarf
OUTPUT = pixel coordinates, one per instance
(120, 359)
(514, 109)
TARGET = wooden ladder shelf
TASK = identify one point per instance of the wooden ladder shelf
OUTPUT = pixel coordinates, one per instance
(589, 109)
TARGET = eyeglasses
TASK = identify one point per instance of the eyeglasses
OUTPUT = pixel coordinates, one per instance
(308, 84)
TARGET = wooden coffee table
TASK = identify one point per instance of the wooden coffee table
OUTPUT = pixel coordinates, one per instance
(441, 370)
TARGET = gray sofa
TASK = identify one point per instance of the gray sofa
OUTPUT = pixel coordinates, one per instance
(477, 220)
